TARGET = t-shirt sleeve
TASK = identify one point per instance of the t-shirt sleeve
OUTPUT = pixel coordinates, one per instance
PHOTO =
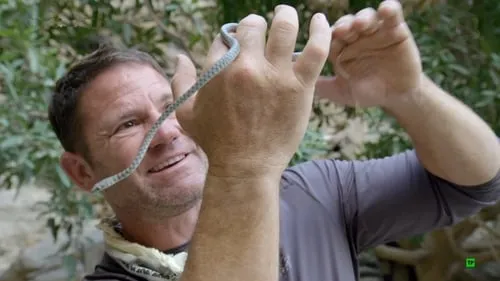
(391, 198)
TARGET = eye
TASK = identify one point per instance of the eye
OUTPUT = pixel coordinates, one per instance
(167, 105)
(127, 124)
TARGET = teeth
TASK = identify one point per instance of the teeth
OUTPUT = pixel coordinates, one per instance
(168, 162)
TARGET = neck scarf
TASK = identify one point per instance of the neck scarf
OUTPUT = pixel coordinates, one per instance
(146, 262)
(149, 263)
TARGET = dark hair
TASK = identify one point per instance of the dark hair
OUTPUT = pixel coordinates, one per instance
(64, 112)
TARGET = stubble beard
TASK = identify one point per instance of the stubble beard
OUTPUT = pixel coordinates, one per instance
(170, 204)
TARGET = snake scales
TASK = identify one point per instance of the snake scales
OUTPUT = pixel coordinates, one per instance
(228, 58)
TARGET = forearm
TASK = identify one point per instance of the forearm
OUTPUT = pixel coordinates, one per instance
(451, 141)
(237, 233)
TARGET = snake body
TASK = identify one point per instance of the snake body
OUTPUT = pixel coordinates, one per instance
(228, 58)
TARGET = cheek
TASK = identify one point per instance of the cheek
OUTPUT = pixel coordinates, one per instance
(119, 154)
(202, 160)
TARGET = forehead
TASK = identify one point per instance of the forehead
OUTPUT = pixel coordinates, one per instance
(123, 84)
(125, 79)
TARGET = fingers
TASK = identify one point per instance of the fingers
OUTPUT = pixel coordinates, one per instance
(184, 78)
(336, 45)
(366, 22)
(366, 26)
(251, 35)
(391, 13)
(343, 29)
(216, 51)
(349, 28)
(309, 65)
(282, 36)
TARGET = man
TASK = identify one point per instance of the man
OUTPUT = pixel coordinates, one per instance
(232, 144)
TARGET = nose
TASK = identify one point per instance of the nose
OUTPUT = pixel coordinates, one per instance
(167, 132)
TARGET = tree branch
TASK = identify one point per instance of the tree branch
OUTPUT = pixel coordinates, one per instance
(401, 256)
(465, 228)
(484, 257)
(38, 115)
(493, 232)
(176, 39)
(480, 245)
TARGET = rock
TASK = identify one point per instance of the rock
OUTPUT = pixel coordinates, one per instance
(42, 262)
(487, 272)
(19, 223)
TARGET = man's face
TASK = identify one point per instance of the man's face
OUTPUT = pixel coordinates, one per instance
(117, 109)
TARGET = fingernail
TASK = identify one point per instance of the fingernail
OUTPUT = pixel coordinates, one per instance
(339, 24)
(279, 7)
(321, 16)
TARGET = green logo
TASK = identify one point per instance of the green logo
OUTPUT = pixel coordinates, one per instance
(470, 263)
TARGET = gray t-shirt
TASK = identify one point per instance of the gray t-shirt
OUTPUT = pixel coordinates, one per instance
(332, 210)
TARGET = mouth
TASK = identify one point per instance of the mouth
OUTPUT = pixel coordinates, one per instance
(169, 163)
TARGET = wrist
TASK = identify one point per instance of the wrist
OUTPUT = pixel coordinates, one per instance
(413, 101)
(237, 191)
(244, 169)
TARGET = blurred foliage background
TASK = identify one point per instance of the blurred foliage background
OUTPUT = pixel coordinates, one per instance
(39, 39)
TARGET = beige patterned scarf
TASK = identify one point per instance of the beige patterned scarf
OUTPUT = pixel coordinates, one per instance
(149, 263)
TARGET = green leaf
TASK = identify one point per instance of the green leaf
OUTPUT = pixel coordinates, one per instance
(61, 69)
(127, 33)
(11, 141)
(70, 264)
(460, 69)
(62, 176)
(33, 60)
(87, 208)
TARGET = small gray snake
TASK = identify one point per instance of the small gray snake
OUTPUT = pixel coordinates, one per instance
(228, 58)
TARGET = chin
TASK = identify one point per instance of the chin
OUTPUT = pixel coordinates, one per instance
(185, 190)
(177, 201)
(182, 185)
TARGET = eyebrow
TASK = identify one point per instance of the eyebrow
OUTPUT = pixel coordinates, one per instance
(164, 97)
(128, 110)
(124, 112)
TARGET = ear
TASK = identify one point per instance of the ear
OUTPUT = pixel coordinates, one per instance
(79, 171)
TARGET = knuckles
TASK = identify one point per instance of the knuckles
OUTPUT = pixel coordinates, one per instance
(285, 26)
(317, 52)
(249, 73)
(244, 71)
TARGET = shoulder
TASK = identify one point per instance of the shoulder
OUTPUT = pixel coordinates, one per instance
(316, 185)
(316, 172)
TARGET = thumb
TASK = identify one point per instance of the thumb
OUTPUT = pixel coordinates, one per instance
(184, 78)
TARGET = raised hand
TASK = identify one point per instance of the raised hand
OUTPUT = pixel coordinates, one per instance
(375, 58)
(252, 116)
